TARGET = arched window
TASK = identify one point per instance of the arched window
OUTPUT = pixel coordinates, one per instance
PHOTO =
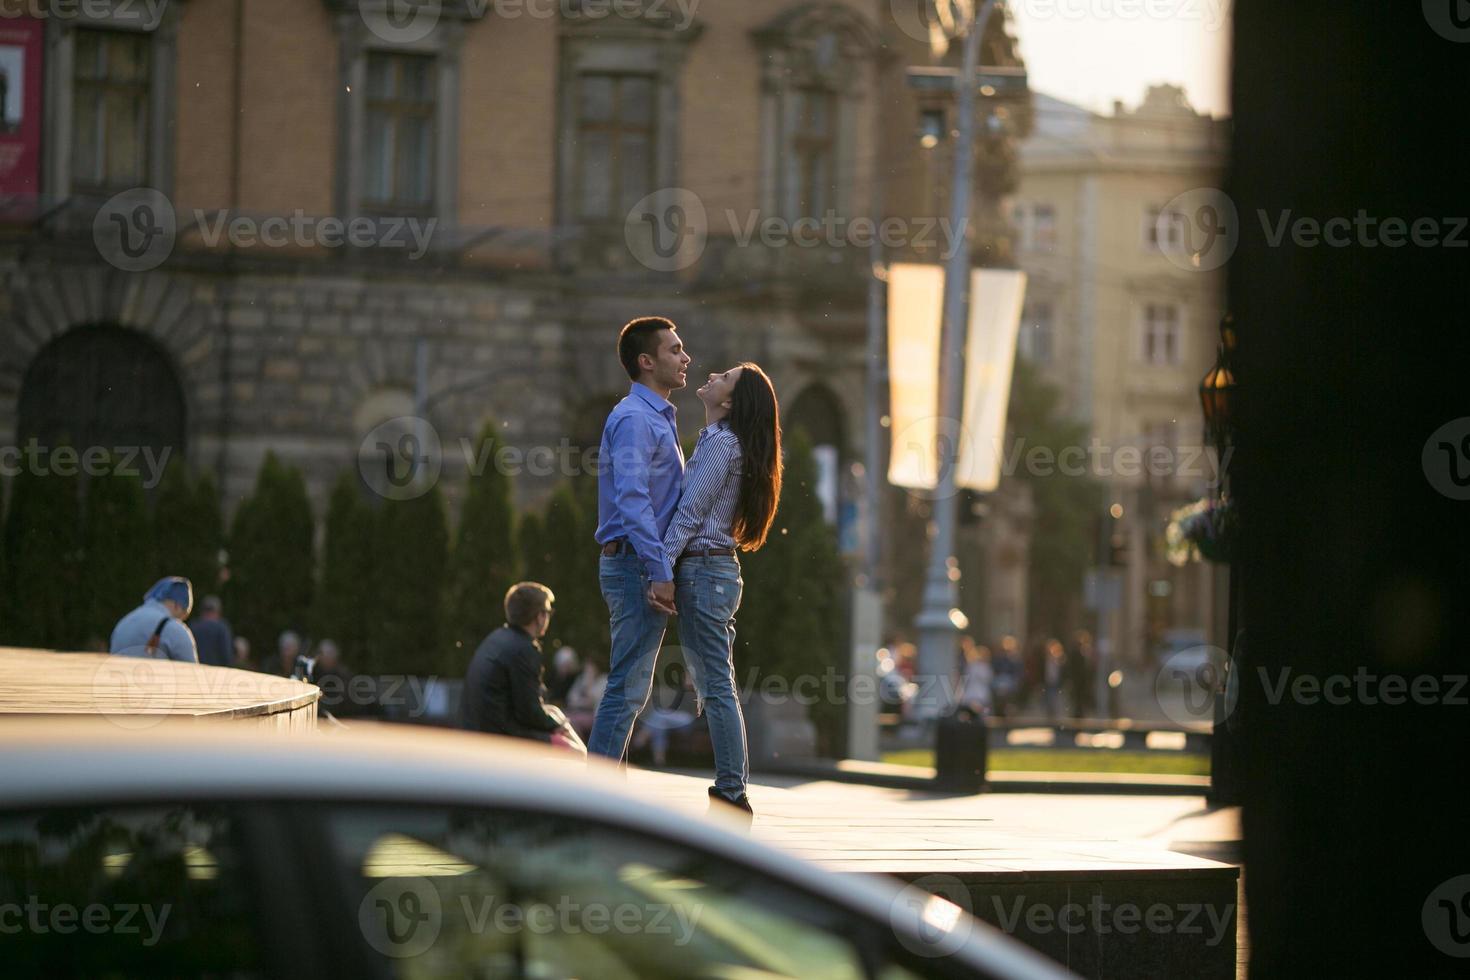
(103, 386)
(818, 412)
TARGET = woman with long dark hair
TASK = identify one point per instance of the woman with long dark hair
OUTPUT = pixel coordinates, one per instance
(731, 489)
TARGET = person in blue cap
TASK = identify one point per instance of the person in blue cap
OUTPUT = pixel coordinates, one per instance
(156, 628)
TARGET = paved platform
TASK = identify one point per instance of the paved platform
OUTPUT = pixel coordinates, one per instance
(1107, 885)
(136, 692)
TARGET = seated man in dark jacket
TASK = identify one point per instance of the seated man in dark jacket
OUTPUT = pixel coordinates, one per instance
(503, 691)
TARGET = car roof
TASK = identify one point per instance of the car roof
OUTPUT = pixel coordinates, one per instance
(61, 761)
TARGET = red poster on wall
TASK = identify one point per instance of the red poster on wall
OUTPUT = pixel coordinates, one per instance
(21, 52)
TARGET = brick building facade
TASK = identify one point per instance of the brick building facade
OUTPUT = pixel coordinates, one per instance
(519, 139)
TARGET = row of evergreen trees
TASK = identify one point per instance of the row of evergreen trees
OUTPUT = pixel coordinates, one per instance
(391, 587)
(75, 556)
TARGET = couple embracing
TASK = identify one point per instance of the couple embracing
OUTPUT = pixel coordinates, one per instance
(670, 538)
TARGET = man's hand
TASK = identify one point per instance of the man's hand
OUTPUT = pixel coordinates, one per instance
(661, 597)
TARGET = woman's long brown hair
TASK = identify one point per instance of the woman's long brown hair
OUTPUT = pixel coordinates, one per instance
(755, 417)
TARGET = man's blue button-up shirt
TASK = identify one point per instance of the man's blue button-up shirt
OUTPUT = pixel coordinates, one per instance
(641, 469)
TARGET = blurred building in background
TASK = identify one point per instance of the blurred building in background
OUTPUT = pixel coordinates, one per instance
(1125, 330)
(225, 306)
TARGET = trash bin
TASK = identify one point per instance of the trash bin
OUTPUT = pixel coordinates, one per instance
(959, 751)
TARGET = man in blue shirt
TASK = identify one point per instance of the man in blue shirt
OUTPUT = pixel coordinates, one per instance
(641, 468)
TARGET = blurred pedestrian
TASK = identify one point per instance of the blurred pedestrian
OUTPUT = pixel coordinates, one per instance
(156, 628)
(565, 665)
(212, 634)
(978, 677)
(503, 689)
(1081, 673)
(242, 659)
(288, 649)
(906, 660)
(1033, 669)
(1052, 672)
(584, 696)
(342, 695)
(1006, 667)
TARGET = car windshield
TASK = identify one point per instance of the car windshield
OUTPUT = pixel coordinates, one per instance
(517, 894)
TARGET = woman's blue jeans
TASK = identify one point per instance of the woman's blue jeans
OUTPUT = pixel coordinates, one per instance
(707, 592)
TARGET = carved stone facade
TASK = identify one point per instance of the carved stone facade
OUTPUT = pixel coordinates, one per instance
(305, 348)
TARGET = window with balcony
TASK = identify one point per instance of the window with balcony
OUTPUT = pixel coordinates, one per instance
(110, 90)
(1037, 341)
(817, 62)
(617, 132)
(398, 112)
(1161, 334)
(398, 134)
(1043, 228)
(1036, 225)
(814, 145)
(1162, 229)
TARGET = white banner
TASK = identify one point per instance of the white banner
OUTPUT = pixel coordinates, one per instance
(996, 297)
(915, 308)
(973, 442)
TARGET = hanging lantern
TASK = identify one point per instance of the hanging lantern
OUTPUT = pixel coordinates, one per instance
(1217, 389)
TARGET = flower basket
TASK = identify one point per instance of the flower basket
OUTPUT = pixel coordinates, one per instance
(1205, 529)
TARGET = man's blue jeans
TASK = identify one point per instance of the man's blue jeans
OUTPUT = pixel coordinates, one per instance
(637, 634)
(707, 592)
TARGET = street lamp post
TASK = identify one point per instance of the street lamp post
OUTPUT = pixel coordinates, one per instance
(938, 621)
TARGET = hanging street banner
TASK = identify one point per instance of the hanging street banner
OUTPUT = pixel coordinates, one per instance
(973, 443)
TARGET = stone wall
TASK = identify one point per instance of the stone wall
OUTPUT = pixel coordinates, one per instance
(305, 359)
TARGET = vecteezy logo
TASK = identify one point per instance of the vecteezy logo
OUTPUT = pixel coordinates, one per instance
(931, 915)
(1198, 230)
(1192, 682)
(401, 917)
(135, 693)
(135, 230)
(932, 448)
(1446, 459)
(1446, 917)
(401, 21)
(402, 458)
(1450, 19)
(910, 17)
(667, 231)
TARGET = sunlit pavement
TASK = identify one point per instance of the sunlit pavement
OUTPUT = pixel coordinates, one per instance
(847, 827)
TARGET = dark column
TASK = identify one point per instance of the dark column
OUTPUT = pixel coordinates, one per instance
(1350, 358)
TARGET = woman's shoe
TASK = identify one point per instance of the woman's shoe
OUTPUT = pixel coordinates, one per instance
(740, 808)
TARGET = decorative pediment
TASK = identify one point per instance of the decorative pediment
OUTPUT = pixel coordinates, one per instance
(627, 19)
(807, 25)
(409, 10)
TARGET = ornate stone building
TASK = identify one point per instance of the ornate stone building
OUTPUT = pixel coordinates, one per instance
(1125, 326)
(276, 224)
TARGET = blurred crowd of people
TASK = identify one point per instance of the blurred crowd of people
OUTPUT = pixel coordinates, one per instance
(167, 625)
(1000, 679)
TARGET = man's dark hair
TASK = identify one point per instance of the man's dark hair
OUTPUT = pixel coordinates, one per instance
(640, 336)
(525, 601)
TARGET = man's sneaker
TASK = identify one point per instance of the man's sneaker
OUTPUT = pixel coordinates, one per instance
(739, 809)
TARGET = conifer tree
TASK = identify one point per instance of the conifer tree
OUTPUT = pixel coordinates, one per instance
(485, 560)
(40, 606)
(272, 559)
